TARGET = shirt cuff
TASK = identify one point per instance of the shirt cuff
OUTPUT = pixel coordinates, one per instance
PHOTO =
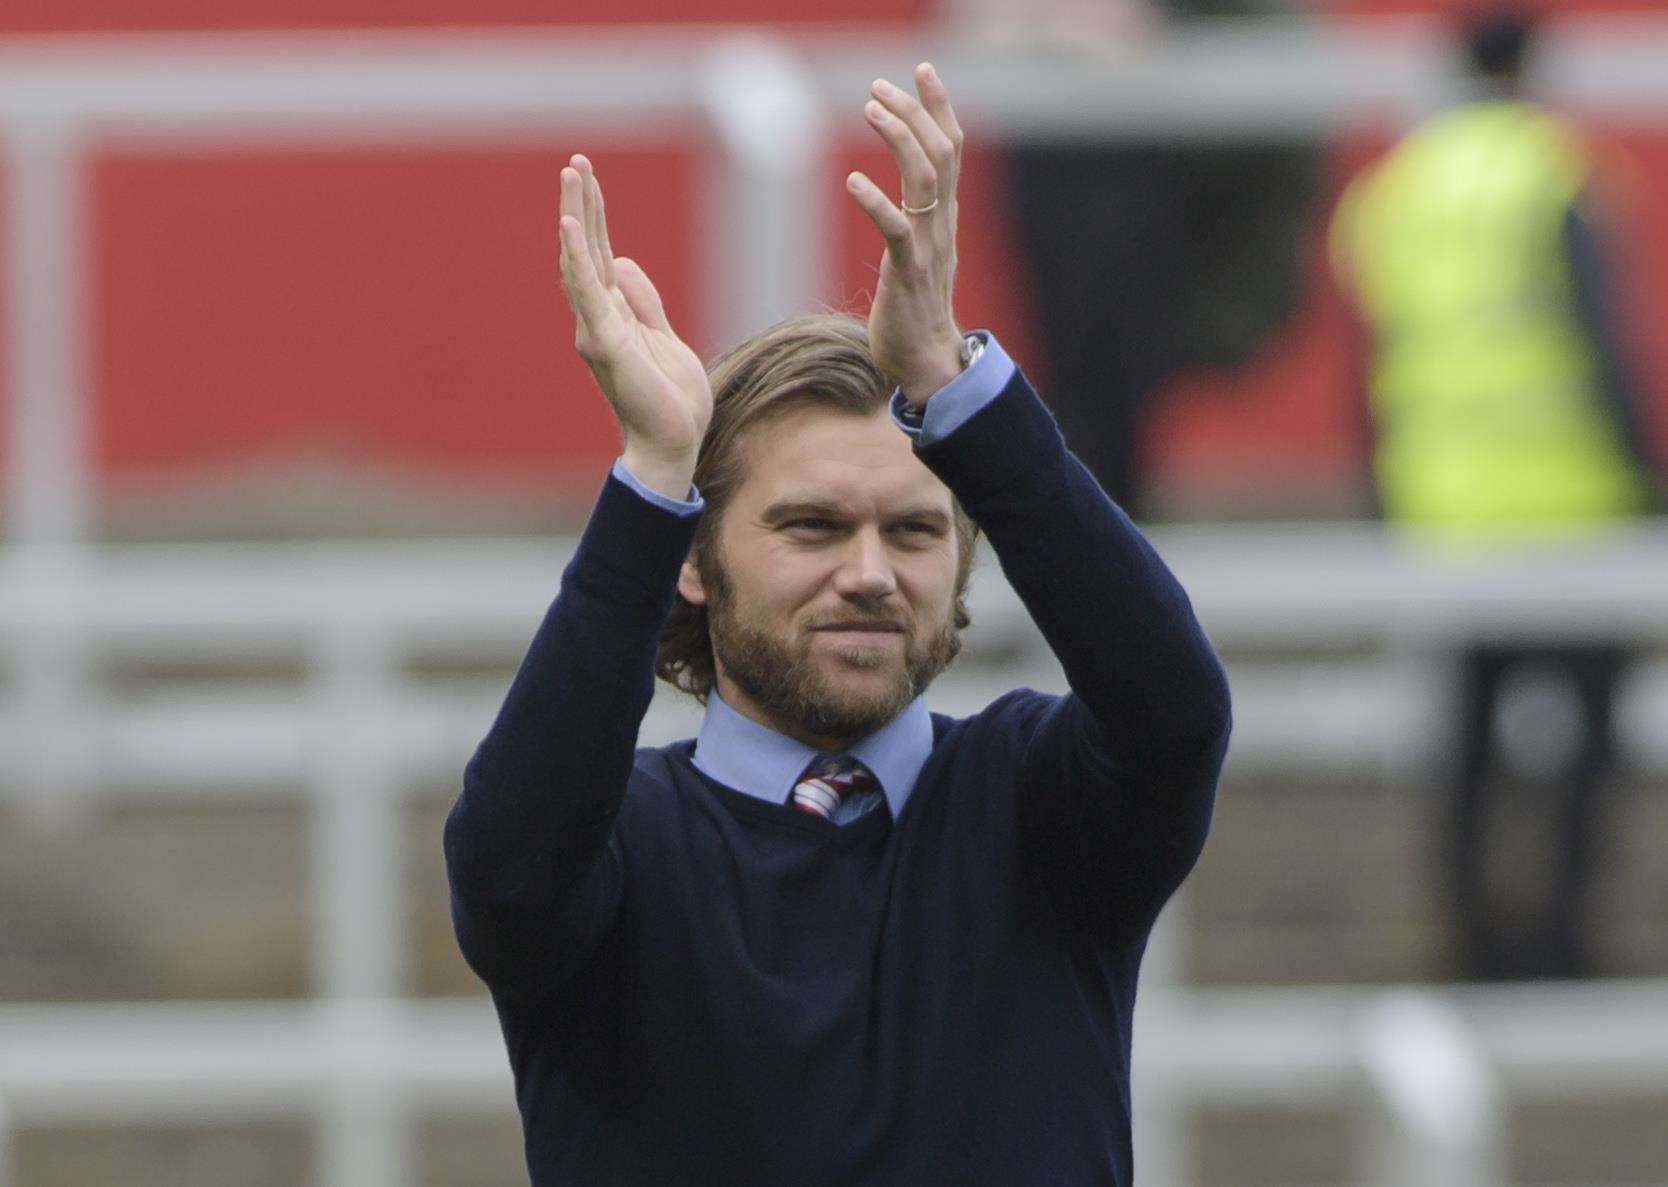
(690, 506)
(954, 404)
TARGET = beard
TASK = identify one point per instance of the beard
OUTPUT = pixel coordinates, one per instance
(787, 682)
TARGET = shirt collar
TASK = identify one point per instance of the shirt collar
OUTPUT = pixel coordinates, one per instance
(740, 753)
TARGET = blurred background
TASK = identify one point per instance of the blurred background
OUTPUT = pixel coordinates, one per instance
(297, 443)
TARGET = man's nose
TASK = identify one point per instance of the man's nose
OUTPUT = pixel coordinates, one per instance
(866, 569)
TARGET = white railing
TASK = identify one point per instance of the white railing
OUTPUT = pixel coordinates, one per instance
(1434, 1068)
(355, 613)
(359, 732)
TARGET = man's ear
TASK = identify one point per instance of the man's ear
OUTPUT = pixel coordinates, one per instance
(689, 584)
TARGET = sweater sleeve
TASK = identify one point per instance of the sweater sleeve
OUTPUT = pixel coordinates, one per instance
(1594, 287)
(531, 857)
(1118, 777)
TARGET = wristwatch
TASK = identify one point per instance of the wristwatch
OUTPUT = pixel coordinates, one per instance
(972, 346)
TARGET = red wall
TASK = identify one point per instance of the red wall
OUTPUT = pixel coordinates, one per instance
(57, 16)
(404, 308)
(397, 307)
(176, 15)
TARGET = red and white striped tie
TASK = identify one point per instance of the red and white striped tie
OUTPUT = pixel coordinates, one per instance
(828, 781)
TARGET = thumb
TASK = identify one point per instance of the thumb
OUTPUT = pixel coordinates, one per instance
(640, 294)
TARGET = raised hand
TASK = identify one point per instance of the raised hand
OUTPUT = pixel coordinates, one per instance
(912, 327)
(656, 385)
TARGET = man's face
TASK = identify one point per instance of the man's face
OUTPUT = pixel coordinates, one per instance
(830, 601)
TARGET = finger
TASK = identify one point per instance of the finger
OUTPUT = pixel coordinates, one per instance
(935, 97)
(604, 250)
(891, 222)
(573, 196)
(596, 229)
(579, 276)
(920, 179)
(934, 145)
(640, 294)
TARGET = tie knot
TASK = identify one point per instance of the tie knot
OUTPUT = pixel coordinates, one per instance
(827, 781)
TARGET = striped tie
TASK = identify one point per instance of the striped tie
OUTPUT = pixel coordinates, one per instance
(829, 780)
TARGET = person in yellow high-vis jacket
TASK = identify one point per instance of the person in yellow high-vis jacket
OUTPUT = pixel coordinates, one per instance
(1502, 413)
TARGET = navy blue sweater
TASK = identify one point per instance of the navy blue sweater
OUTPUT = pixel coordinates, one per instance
(698, 987)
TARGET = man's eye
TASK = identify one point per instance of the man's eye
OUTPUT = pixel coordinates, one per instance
(917, 527)
(810, 523)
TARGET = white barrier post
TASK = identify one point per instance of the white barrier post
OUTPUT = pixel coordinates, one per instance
(360, 923)
(5, 1146)
(1438, 1110)
(767, 207)
(365, 1124)
(53, 770)
(47, 487)
(47, 491)
(1160, 1115)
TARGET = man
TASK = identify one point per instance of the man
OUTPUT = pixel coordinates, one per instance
(1503, 414)
(836, 938)
(1149, 254)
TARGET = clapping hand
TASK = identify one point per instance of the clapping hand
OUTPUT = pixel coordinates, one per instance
(912, 328)
(656, 385)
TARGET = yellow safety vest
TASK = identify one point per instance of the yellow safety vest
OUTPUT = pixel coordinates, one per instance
(1482, 382)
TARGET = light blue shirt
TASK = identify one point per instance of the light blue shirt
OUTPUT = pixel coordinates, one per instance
(740, 753)
(753, 758)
